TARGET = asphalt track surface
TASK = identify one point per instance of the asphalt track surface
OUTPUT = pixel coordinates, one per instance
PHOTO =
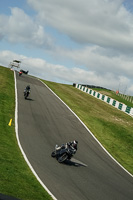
(43, 121)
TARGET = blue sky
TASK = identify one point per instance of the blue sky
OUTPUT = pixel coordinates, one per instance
(88, 41)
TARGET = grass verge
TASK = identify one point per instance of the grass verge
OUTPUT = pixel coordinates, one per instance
(113, 128)
(16, 179)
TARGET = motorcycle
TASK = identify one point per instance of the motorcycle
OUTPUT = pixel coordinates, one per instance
(20, 73)
(26, 93)
(23, 71)
(62, 154)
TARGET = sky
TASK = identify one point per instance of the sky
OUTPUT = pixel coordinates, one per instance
(74, 41)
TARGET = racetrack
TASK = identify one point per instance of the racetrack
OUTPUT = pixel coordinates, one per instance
(43, 121)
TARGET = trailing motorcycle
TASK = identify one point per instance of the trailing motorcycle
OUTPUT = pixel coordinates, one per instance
(62, 153)
(26, 94)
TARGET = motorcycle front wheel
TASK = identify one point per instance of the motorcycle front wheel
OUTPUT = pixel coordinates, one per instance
(62, 158)
(53, 154)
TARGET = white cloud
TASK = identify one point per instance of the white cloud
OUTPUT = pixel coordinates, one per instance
(95, 58)
(20, 28)
(101, 30)
(59, 73)
(105, 23)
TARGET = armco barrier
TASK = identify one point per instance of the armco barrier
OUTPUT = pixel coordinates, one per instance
(128, 110)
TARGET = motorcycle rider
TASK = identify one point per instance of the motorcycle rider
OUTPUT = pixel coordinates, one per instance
(72, 145)
(20, 73)
(27, 89)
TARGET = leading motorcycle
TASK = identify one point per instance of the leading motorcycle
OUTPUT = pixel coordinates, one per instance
(62, 153)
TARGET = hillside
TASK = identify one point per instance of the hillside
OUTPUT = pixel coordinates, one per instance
(127, 100)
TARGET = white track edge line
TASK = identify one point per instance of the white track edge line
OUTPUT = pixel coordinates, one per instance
(89, 131)
(24, 155)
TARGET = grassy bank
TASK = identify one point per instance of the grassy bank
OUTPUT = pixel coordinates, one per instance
(16, 179)
(113, 128)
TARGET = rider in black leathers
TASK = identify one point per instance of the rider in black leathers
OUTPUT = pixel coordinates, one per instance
(72, 145)
(27, 89)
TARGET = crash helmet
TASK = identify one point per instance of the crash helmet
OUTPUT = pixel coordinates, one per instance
(28, 87)
(74, 144)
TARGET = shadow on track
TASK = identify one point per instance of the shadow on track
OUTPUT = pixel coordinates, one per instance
(29, 99)
(73, 163)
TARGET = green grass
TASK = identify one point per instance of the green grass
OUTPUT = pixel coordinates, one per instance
(16, 179)
(113, 128)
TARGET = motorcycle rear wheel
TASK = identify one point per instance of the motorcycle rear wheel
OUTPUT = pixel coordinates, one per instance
(62, 158)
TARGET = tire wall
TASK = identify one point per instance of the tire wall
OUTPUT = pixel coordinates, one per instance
(128, 110)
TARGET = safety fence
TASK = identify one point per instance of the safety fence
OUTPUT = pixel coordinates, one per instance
(109, 100)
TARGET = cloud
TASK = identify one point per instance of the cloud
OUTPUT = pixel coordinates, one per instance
(99, 60)
(98, 41)
(59, 73)
(20, 28)
(106, 23)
